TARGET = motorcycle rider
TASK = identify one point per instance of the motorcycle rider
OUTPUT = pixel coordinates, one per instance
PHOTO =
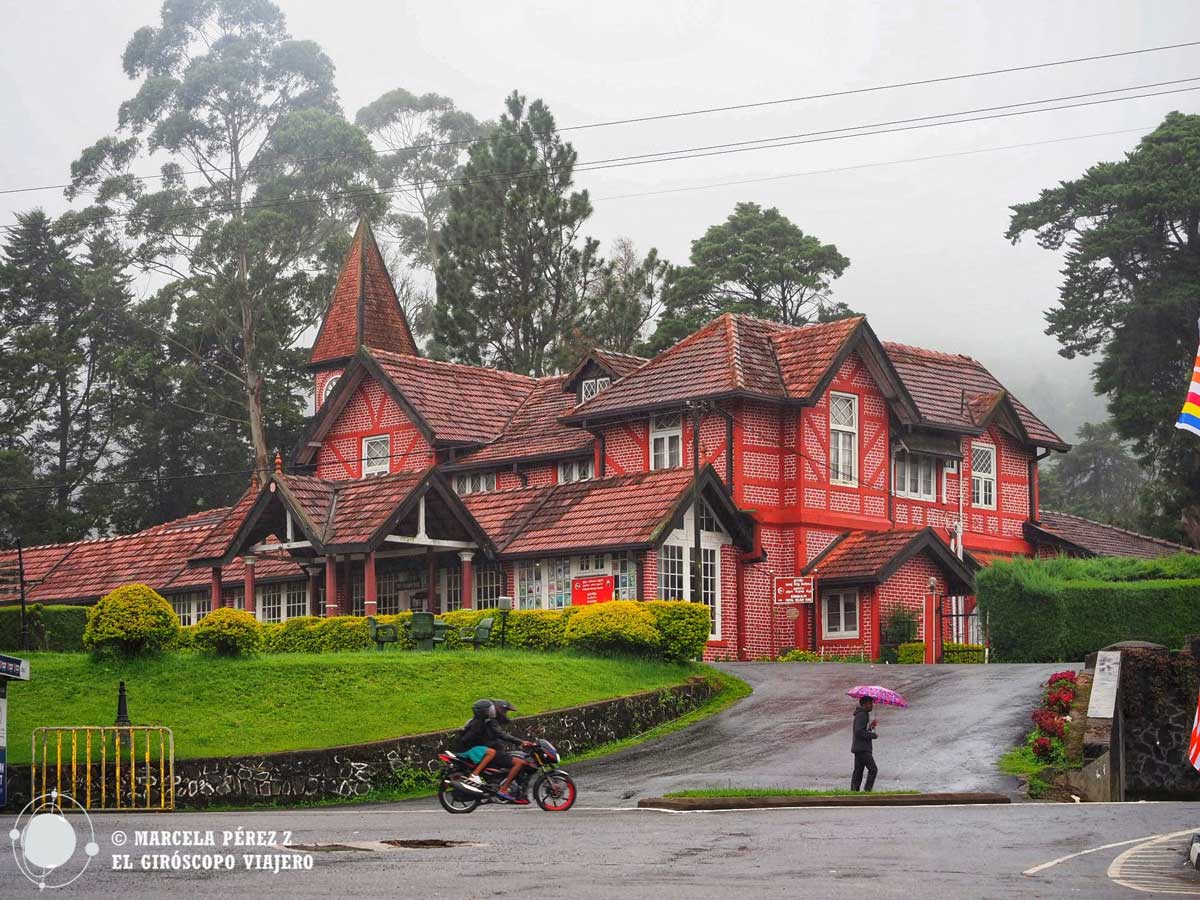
(473, 743)
(503, 708)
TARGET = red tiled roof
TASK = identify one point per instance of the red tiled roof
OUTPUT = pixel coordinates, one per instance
(363, 310)
(459, 403)
(613, 512)
(360, 508)
(870, 557)
(805, 354)
(1100, 539)
(534, 430)
(223, 529)
(944, 385)
(621, 364)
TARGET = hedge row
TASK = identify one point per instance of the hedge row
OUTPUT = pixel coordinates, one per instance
(58, 628)
(1062, 610)
(671, 630)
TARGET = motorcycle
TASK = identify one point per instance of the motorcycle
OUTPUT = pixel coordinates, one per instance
(551, 788)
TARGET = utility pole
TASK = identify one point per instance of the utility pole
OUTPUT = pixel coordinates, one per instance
(21, 583)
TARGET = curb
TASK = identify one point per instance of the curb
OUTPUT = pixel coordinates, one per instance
(785, 802)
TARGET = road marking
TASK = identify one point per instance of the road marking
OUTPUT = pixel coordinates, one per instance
(1152, 868)
(1062, 859)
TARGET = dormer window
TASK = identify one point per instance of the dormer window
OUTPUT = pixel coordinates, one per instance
(574, 470)
(376, 455)
(474, 483)
(330, 384)
(666, 442)
(590, 387)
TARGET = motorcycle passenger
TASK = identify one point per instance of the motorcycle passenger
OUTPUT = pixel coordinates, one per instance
(503, 708)
(473, 743)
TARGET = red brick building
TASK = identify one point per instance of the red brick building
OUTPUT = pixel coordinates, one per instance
(748, 462)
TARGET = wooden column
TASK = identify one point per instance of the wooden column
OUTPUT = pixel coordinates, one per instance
(370, 593)
(216, 587)
(468, 582)
(932, 621)
(248, 600)
(331, 586)
(431, 587)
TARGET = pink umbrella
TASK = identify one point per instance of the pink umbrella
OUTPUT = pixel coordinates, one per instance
(883, 695)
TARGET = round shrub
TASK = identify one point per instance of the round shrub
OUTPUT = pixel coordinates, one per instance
(684, 627)
(620, 626)
(228, 632)
(534, 629)
(130, 621)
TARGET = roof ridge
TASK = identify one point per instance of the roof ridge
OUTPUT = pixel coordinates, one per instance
(491, 370)
(733, 338)
(926, 351)
(1136, 534)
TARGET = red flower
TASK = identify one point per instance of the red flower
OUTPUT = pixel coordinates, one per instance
(1042, 748)
(1063, 676)
(1059, 700)
(1050, 723)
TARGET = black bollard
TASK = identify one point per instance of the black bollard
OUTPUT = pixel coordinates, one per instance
(123, 739)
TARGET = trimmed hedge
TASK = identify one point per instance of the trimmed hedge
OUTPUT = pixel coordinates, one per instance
(683, 628)
(55, 628)
(911, 652)
(131, 621)
(962, 653)
(1060, 610)
(228, 632)
(619, 627)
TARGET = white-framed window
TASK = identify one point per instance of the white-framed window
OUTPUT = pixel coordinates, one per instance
(489, 585)
(915, 476)
(592, 386)
(839, 614)
(708, 591)
(396, 590)
(296, 599)
(558, 583)
(666, 442)
(670, 573)
(529, 584)
(330, 384)
(843, 439)
(192, 606)
(233, 596)
(474, 483)
(574, 470)
(452, 588)
(376, 454)
(983, 476)
(624, 570)
(358, 595)
(592, 564)
(269, 603)
(949, 467)
(708, 520)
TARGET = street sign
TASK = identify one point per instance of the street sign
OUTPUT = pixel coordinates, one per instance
(12, 667)
(794, 590)
(591, 589)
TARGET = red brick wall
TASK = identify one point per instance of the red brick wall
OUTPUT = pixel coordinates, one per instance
(1012, 489)
(536, 476)
(626, 448)
(371, 411)
(908, 587)
(759, 583)
(759, 476)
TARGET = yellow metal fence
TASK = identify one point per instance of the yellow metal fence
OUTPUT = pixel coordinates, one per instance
(109, 767)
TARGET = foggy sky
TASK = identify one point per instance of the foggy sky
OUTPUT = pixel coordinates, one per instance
(929, 262)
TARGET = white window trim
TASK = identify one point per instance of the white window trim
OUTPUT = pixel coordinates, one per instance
(842, 635)
(568, 468)
(950, 467)
(709, 540)
(666, 434)
(327, 388)
(853, 480)
(367, 469)
(931, 497)
(596, 385)
(994, 477)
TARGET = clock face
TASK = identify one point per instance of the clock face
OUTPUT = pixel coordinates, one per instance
(329, 386)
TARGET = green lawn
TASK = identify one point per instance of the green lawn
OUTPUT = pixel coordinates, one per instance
(260, 704)
(776, 792)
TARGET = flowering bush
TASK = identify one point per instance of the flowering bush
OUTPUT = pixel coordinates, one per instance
(1059, 700)
(1068, 676)
(1050, 723)
(1042, 748)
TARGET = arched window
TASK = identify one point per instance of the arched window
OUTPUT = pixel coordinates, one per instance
(330, 384)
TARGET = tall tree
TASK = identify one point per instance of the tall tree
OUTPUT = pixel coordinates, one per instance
(625, 298)
(514, 270)
(758, 262)
(1130, 295)
(1097, 479)
(262, 174)
(422, 143)
(61, 321)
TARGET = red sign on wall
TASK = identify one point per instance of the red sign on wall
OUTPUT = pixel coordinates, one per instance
(592, 589)
(794, 590)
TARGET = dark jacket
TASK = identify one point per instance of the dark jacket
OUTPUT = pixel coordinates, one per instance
(863, 736)
(485, 732)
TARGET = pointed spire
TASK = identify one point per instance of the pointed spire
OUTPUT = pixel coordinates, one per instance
(364, 309)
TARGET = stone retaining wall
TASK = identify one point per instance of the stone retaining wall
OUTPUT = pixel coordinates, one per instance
(1158, 705)
(350, 771)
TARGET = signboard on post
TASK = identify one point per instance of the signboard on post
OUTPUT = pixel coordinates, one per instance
(11, 669)
(794, 590)
(591, 589)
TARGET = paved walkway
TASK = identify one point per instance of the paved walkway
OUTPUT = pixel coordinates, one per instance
(794, 731)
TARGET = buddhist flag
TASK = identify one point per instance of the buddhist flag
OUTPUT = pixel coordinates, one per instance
(1189, 419)
(1194, 741)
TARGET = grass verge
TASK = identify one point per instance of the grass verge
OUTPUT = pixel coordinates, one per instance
(777, 792)
(264, 704)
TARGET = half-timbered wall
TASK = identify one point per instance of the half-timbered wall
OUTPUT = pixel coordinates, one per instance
(371, 411)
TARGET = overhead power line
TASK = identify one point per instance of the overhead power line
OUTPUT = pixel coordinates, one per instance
(659, 117)
(779, 141)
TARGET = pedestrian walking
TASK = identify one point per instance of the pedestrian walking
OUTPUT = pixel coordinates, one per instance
(862, 745)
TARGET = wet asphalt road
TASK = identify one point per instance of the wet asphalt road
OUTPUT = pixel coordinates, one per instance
(794, 731)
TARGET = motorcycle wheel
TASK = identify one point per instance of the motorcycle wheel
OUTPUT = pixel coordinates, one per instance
(554, 791)
(454, 799)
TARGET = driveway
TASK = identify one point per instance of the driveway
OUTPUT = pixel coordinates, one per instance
(794, 731)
